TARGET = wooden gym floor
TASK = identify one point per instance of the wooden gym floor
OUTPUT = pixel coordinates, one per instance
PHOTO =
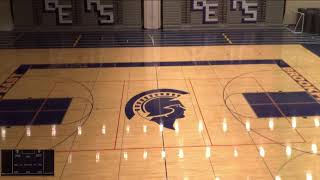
(222, 126)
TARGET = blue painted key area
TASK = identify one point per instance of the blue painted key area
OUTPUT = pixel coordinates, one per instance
(280, 104)
(21, 112)
(314, 48)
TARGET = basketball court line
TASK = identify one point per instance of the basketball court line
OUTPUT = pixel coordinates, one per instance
(123, 127)
(119, 116)
(162, 135)
(146, 148)
(314, 48)
(198, 109)
(244, 125)
(82, 123)
(22, 69)
(256, 118)
(173, 147)
(201, 114)
(280, 110)
(33, 119)
(126, 149)
(252, 139)
(165, 63)
(257, 148)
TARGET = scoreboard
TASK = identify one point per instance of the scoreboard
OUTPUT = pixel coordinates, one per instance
(110, 14)
(27, 163)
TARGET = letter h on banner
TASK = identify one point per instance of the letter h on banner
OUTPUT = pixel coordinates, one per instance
(104, 11)
(248, 9)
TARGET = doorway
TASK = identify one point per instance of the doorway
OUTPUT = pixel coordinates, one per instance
(152, 14)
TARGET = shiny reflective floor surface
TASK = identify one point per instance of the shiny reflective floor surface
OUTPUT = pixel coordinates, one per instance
(238, 112)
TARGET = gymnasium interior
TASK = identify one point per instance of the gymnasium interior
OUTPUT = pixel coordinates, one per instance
(160, 89)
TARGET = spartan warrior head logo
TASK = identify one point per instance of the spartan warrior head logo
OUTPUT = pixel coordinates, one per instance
(160, 105)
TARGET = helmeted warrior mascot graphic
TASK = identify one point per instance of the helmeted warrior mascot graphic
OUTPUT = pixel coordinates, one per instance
(160, 105)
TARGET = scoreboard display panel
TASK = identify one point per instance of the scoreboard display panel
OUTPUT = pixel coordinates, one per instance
(27, 163)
